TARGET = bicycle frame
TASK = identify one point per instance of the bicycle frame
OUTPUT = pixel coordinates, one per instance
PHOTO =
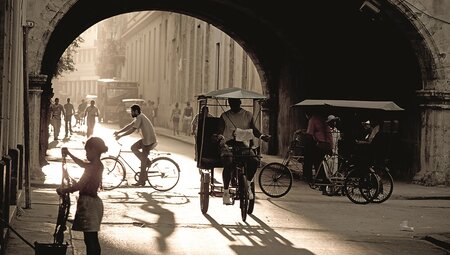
(119, 157)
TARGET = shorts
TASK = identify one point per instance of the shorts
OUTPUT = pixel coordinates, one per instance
(89, 214)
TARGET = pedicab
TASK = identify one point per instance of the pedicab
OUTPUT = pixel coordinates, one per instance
(339, 168)
(210, 151)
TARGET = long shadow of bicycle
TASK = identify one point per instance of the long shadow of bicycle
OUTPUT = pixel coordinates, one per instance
(165, 225)
(263, 239)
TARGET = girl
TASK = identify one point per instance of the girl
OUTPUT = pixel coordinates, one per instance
(89, 213)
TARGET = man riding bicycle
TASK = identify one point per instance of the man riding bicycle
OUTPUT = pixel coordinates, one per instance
(231, 120)
(147, 143)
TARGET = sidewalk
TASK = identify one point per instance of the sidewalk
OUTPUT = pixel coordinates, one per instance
(38, 223)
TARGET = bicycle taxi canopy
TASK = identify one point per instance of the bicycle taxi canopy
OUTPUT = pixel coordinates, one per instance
(233, 92)
(370, 105)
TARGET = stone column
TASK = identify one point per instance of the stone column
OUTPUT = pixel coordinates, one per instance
(434, 138)
(35, 92)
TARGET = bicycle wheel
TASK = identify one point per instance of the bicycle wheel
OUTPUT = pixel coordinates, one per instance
(275, 179)
(354, 186)
(204, 191)
(386, 185)
(163, 174)
(251, 202)
(243, 196)
(370, 185)
(113, 173)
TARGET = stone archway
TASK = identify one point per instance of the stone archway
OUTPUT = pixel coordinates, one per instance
(292, 49)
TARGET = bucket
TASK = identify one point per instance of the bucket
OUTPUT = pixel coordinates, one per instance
(49, 249)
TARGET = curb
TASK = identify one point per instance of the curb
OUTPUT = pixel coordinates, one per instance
(439, 240)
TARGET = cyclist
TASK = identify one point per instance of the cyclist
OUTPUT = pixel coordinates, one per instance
(230, 120)
(142, 147)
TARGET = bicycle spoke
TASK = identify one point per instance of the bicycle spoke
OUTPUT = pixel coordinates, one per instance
(386, 185)
(163, 174)
(275, 180)
(113, 173)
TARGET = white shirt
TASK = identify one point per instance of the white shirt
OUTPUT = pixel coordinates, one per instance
(146, 129)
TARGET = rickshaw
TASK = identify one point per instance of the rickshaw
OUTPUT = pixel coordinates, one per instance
(208, 148)
(275, 179)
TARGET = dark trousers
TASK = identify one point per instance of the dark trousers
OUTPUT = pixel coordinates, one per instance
(141, 151)
(229, 165)
(313, 157)
(68, 124)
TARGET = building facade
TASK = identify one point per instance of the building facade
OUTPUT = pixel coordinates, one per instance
(82, 82)
(175, 58)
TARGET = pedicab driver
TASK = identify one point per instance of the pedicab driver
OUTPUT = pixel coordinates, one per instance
(142, 147)
(230, 120)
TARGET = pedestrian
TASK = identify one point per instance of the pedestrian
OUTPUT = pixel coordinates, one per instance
(321, 143)
(151, 111)
(175, 117)
(81, 110)
(333, 161)
(56, 110)
(195, 123)
(70, 111)
(142, 147)
(155, 112)
(187, 119)
(90, 113)
(89, 212)
(145, 108)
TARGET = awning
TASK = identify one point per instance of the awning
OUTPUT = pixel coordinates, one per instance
(375, 105)
(234, 93)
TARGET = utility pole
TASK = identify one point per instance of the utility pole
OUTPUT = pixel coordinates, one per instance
(26, 119)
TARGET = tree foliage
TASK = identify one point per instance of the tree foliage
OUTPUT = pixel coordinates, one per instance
(65, 63)
(110, 59)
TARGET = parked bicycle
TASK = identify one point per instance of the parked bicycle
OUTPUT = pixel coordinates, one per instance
(163, 172)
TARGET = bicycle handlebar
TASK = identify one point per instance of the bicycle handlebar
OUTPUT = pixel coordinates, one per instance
(117, 139)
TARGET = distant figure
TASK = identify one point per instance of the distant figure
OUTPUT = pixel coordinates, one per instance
(90, 113)
(333, 161)
(55, 118)
(151, 111)
(70, 111)
(187, 118)
(175, 117)
(81, 110)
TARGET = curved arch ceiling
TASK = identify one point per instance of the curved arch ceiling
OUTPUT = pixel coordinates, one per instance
(335, 47)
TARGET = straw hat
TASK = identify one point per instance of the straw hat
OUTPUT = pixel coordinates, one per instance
(331, 118)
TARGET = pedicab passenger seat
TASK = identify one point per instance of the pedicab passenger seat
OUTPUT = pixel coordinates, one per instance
(299, 142)
(207, 147)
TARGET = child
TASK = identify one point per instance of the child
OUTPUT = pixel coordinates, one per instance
(89, 211)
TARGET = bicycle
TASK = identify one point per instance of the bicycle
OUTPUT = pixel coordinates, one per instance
(163, 172)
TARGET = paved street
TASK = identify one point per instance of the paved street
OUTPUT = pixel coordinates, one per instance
(144, 221)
